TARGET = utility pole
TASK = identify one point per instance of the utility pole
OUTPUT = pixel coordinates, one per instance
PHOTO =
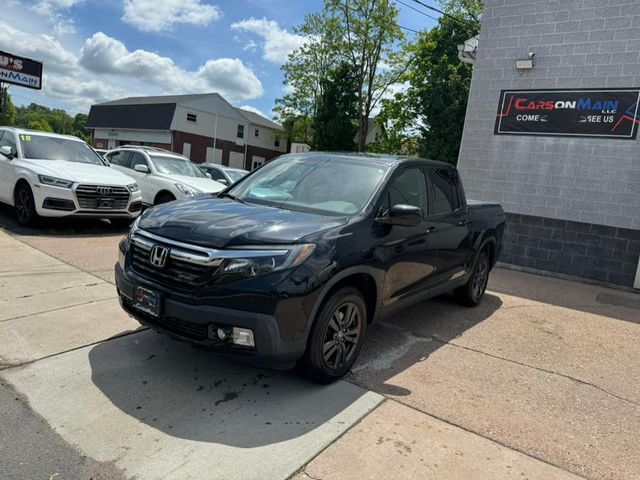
(2, 95)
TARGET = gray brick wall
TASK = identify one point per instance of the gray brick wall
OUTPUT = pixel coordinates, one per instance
(598, 252)
(578, 44)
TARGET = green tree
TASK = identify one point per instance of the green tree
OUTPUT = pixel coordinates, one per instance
(337, 116)
(362, 33)
(434, 105)
(8, 111)
(41, 125)
(80, 126)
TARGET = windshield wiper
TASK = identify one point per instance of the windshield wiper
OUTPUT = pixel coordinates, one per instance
(232, 197)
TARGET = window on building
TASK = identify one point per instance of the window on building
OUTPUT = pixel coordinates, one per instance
(192, 117)
(277, 141)
(442, 182)
(240, 131)
(256, 133)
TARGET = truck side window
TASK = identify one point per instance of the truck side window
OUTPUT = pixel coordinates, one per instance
(408, 188)
(442, 183)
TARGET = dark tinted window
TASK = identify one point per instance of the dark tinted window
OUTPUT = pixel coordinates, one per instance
(137, 159)
(240, 133)
(408, 188)
(120, 158)
(8, 139)
(442, 182)
(216, 174)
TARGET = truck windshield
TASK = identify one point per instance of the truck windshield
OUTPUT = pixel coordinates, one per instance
(322, 186)
(41, 147)
(176, 166)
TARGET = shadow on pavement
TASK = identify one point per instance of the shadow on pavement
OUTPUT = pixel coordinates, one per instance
(410, 337)
(59, 227)
(193, 394)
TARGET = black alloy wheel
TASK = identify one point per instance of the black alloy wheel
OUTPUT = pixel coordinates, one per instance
(25, 206)
(342, 335)
(336, 337)
(472, 292)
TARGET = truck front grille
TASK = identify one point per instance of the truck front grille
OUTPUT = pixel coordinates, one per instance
(102, 197)
(175, 273)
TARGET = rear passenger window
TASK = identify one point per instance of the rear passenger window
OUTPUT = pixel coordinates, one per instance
(408, 188)
(120, 158)
(216, 174)
(442, 184)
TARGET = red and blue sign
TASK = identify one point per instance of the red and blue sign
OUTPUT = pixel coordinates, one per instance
(611, 113)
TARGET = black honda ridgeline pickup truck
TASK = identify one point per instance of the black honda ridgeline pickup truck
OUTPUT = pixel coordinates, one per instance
(293, 262)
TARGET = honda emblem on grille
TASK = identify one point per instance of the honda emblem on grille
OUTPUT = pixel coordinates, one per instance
(158, 256)
(104, 190)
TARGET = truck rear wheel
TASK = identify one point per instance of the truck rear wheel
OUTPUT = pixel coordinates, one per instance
(471, 292)
(337, 335)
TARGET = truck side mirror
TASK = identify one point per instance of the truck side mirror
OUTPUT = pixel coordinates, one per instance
(403, 215)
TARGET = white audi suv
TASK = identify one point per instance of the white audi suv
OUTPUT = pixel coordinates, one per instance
(49, 175)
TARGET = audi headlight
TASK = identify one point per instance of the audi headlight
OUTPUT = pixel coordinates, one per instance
(256, 261)
(133, 187)
(55, 182)
(188, 191)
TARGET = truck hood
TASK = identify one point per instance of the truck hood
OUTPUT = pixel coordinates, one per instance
(205, 185)
(80, 172)
(219, 222)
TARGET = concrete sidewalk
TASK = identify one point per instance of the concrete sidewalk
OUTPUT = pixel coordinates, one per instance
(532, 384)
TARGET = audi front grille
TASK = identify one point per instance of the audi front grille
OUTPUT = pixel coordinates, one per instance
(102, 197)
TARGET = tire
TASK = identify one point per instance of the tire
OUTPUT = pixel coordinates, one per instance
(164, 198)
(25, 206)
(470, 294)
(334, 345)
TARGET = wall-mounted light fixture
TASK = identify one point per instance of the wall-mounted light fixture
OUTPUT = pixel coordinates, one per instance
(526, 63)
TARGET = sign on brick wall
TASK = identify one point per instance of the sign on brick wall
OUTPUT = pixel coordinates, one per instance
(609, 113)
(20, 71)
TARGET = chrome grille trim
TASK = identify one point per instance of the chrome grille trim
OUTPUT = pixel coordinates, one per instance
(88, 194)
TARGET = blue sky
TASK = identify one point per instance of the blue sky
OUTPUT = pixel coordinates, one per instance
(100, 50)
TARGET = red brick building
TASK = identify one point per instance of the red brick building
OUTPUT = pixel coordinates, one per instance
(204, 127)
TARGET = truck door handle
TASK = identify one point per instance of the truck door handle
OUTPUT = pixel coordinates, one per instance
(431, 229)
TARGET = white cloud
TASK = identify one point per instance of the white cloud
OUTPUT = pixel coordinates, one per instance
(157, 15)
(253, 109)
(49, 7)
(228, 76)
(278, 42)
(40, 47)
(62, 25)
(81, 93)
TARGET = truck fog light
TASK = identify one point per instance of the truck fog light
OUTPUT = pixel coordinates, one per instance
(222, 335)
(243, 336)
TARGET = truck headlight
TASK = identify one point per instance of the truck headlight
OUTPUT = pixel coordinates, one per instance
(253, 262)
(188, 191)
(55, 182)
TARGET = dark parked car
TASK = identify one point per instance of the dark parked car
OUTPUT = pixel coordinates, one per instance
(291, 264)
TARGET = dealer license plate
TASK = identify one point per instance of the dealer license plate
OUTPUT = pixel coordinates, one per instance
(147, 301)
(104, 203)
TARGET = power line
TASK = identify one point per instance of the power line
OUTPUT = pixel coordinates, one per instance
(417, 10)
(469, 24)
(346, 5)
